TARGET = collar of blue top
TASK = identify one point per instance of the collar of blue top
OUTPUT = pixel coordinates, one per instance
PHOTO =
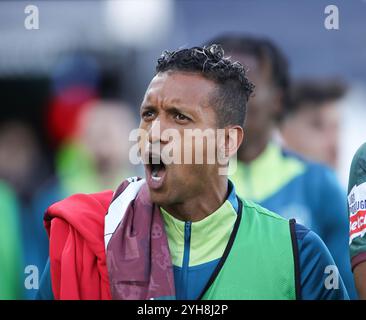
(232, 197)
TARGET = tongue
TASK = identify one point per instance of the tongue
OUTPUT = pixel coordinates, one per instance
(157, 170)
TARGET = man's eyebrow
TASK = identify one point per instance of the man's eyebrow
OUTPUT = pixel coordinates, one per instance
(147, 107)
(183, 110)
(174, 109)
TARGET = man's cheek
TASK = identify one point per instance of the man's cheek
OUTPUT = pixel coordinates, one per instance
(186, 150)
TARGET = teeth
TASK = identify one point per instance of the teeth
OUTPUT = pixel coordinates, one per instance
(156, 178)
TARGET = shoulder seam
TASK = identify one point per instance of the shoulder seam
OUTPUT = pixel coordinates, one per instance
(263, 211)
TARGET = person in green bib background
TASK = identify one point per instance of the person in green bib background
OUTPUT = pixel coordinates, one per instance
(207, 242)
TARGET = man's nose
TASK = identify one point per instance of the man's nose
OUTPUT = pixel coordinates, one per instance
(155, 132)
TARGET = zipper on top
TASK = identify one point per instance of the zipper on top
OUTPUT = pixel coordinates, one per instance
(186, 255)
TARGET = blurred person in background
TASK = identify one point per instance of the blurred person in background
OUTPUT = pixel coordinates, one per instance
(90, 133)
(94, 156)
(23, 167)
(97, 156)
(11, 254)
(277, 178)
(74, 84)
(311, 123)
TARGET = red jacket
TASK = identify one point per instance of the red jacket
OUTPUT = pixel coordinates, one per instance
(75, 227)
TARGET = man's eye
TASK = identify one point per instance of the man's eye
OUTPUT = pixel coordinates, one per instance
(181, 117)
(148, 114)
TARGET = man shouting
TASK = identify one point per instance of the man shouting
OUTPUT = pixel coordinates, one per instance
(183, 233)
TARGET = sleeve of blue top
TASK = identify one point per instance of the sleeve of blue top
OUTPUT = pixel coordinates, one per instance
(319, 276)
(45, 287)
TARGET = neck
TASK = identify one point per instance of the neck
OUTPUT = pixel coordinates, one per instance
(194, 209)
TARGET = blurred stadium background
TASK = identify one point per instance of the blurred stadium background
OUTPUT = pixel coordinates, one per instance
(104, 52)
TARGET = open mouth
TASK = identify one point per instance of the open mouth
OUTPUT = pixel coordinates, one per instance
(155, 172)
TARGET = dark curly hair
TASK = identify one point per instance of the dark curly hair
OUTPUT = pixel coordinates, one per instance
(234, 88)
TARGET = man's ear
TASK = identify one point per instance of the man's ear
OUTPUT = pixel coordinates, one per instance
(234, 136)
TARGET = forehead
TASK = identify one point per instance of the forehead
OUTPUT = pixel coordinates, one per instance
(185, 88)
